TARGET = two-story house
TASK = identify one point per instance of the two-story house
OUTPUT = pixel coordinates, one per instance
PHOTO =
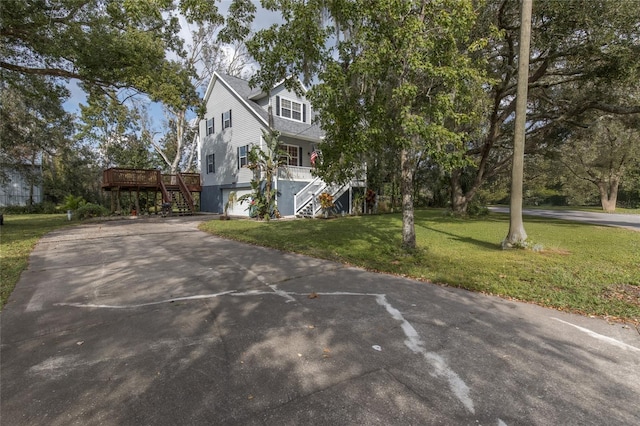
(235, 117)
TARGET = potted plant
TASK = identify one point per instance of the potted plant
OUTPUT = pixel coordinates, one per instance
(326, 203)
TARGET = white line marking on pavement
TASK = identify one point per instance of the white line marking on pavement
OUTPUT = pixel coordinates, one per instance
(595, 335)
(140, 305)
(413, 342)
(501, 423)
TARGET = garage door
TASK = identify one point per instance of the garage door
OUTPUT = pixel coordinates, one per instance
(237, 209)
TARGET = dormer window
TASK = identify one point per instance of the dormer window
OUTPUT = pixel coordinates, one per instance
(291, 109)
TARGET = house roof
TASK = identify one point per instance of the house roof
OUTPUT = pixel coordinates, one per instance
(247, 95)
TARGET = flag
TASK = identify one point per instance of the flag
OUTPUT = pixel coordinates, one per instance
(314, 156)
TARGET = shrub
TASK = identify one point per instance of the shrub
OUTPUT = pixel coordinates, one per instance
(72, 202)
(45, 207)
(89, 210)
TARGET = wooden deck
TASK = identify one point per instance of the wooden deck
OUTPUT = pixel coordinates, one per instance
(179, 193)
(141, 179)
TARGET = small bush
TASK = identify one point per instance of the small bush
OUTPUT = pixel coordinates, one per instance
(72, 202)
(477, 209)
(45, 207)
(89, 210)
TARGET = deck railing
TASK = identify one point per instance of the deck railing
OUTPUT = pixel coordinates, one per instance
(130, 177)
(134, 178)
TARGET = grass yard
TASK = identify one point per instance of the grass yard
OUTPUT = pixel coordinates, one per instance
(18, 237)
(582, 268)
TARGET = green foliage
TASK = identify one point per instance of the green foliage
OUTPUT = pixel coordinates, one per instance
(572, 266)
(89, 210)
(395, 79)
(103, 43)
(72, 202)
(265, 164)
(601, 154)
(45, 207)
(585, 62)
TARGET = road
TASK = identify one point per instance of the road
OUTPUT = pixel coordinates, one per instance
(153, 322)
(628, 221)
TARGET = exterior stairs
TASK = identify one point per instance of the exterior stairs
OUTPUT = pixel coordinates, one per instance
(306, 203)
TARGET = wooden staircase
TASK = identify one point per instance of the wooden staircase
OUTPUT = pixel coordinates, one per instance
(175, 191)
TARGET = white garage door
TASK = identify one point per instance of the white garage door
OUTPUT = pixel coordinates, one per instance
(237, 209)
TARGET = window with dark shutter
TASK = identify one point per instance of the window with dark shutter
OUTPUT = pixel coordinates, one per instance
(243, 160)
(211, 163)
(226, 119)
(210, 127)
(292, 110)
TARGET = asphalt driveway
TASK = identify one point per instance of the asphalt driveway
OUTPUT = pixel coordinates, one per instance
(152, 322)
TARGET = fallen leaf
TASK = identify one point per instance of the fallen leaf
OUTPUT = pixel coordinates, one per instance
(250, 397)
(313, 295)
(80, 342)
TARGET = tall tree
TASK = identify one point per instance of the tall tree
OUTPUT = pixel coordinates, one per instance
(517, 234)
(102, 43)
(32, 124)
(602, 153)
(108, 46)
(582, 51)
(203, 55)
(394, 75)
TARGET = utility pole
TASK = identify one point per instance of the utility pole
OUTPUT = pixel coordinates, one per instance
(517, 234)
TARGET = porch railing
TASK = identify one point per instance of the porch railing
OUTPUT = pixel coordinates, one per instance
(295, 173)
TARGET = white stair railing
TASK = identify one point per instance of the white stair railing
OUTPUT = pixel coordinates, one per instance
(307, 195)
(306, 201)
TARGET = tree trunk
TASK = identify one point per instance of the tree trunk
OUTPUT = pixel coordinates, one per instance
(517, 234)
(406, 187)
(459, 202)
(609, 195)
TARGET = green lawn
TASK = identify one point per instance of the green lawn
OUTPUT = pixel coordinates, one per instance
(582, 268)
(18, 236)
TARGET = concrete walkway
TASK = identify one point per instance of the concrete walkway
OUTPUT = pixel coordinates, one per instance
(152, 322)
(628, 221)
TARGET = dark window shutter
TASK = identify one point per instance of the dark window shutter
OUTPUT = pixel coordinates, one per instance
(238, 149)
(213, 125)
(304, 113)
(278, 106)
(229, 118)
(222, 121)
(299, 156)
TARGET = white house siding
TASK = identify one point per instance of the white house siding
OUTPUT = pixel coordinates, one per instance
(245, 130)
